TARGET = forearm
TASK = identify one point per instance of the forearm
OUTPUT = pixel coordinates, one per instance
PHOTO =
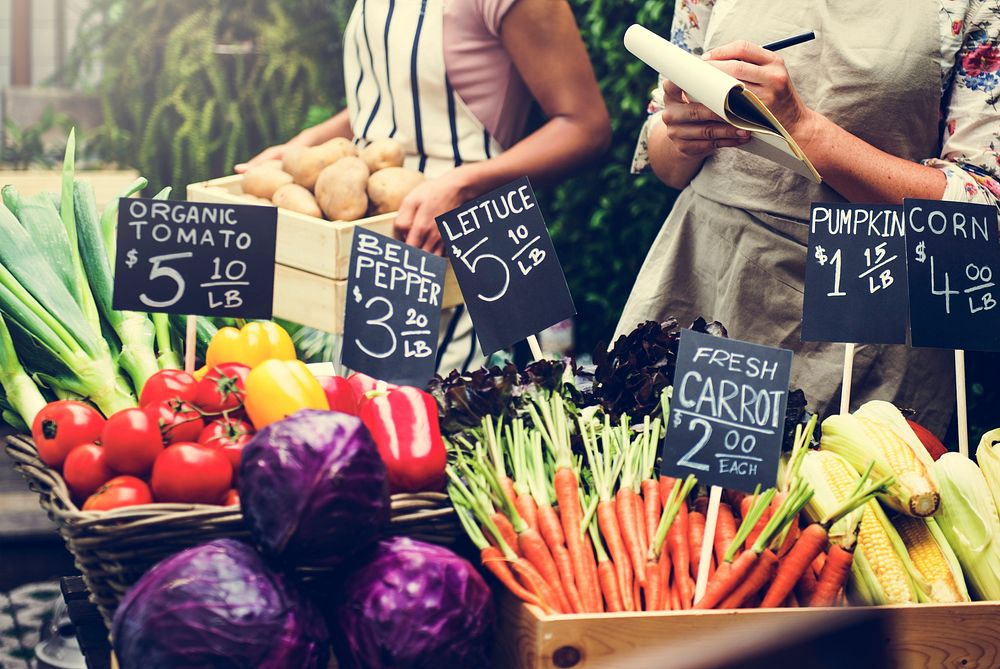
(670, 166)
(861, 172)
(338, 125)
(559, 147)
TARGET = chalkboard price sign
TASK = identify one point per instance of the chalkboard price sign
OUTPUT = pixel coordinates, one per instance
(393, 311)
(506, 265)
(727, 414)
(953, 261)
(195, 258)
(855, 288)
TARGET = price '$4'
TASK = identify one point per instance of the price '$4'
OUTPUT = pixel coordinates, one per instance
(980, 276)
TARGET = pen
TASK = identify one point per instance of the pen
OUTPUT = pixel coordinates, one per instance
(789, 41)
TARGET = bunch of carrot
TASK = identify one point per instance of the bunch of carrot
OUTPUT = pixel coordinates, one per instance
(599, 531)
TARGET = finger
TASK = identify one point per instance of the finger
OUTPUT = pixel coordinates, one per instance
(741, 50)
(702, 147)
(688, 113)
(438, 247)
(241, 168)
(671, 91)
(404, 219)
(419, 231)
(738, 69)
(432, 241)
(710, 131)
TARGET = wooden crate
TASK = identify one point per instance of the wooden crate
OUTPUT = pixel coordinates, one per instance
(313, 258)
(926, 636)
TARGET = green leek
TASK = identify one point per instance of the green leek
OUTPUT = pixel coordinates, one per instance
(81, 290)
(22, 395)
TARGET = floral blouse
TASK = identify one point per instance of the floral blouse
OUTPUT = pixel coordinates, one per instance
(970, 91)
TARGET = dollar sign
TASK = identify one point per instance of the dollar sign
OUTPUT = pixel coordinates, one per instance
(357, 294)
(131, 258)
(921, 254)
(820, 254)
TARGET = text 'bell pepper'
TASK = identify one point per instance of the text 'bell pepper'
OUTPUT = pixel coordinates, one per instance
(251, 345)
(276, 389)
(403, 423)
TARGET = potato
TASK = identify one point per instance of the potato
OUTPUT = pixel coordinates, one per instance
(382, 153)
(340, 189)
(253, 199)
(305, 164)
(273, 164)
(263, 181)
(297, 198)
(388, 187)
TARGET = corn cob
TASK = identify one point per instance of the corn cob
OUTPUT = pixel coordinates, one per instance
(968, 519)
(938, 574)
(882, 571)
(878, 432)
(988, 457)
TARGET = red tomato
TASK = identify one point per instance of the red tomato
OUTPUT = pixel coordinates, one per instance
(62, 426)
(232, 498)
(229, 435)
(169, 384)
(118, 492)
(339, 394)
(933, 445)
(191, 473)
(222, 389)
(178, 421)
(132, 440)
(86, 470)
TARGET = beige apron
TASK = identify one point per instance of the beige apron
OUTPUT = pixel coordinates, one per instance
(734, 246)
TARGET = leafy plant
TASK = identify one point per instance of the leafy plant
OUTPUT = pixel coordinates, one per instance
(190, 87)
(24, 148)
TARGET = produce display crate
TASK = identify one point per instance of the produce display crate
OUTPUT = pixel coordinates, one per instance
(313, 258)
(924, 636)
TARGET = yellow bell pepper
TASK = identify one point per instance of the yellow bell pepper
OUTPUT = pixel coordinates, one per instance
(251, 345)
(276, 389)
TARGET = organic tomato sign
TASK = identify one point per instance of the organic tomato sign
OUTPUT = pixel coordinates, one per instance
(953, 261)
(506, 265)
(393, 312)
(195, 258)
(727, 414)
(855, 288)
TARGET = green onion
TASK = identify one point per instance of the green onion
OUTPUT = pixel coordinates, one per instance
(22, 395)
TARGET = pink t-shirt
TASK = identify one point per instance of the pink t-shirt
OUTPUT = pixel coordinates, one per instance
(480, 69)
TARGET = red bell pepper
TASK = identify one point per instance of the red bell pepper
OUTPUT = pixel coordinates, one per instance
(933, 445)
(365, 386)
(403, 422)
(339, 394)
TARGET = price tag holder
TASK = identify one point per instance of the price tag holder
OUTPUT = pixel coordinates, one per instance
(506, 265)
(953, 262)
(195, 258)
(855, 287)
(727, 415)
(393, 311)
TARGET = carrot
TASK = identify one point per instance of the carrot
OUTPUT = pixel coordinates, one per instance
(607, 520)
(745, 503)
(727, 577)
(696, 534)
(494, 561)
(551, 530)
(818, 564)
(764, 519)
(568, 498)
(794, 532)
(534, 582)
(678, 541)
(806, 586)
(528, 509)
(725, 531)
(595, 604)
(629, 523)
(665, 578)
(831, 579)
(609, 585)
(507, 485)
(799, 559)
(534, 549)
(758, 577)
(506, 530)
(675, 598)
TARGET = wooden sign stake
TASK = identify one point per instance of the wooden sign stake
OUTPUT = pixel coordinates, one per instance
(536, 348)
(845, 386)
(708, 542)
(963, 410)
(190, 343)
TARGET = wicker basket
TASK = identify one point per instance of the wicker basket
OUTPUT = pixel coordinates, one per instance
(114, 548)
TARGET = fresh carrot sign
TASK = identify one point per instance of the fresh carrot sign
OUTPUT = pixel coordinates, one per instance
(727, 414)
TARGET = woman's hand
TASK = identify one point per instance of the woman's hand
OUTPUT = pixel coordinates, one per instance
(276, 152)
(694, 129)
(765, 75)
(415, 221)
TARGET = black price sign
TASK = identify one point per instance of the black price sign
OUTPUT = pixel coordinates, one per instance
(855, 288)
(727, 415)
(506, 265)
(195, 258)
(953, 261)
(393, 311)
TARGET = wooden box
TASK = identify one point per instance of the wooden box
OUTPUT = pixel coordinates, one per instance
(313, 259)
(926, 636)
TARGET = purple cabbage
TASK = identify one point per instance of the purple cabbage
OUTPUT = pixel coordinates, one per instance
(313, 489)
(413, 606)
(217, 606)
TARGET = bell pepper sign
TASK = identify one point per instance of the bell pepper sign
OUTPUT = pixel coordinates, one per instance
(403, 422)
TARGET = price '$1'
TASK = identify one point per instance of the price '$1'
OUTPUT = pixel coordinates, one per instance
(877, 269)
